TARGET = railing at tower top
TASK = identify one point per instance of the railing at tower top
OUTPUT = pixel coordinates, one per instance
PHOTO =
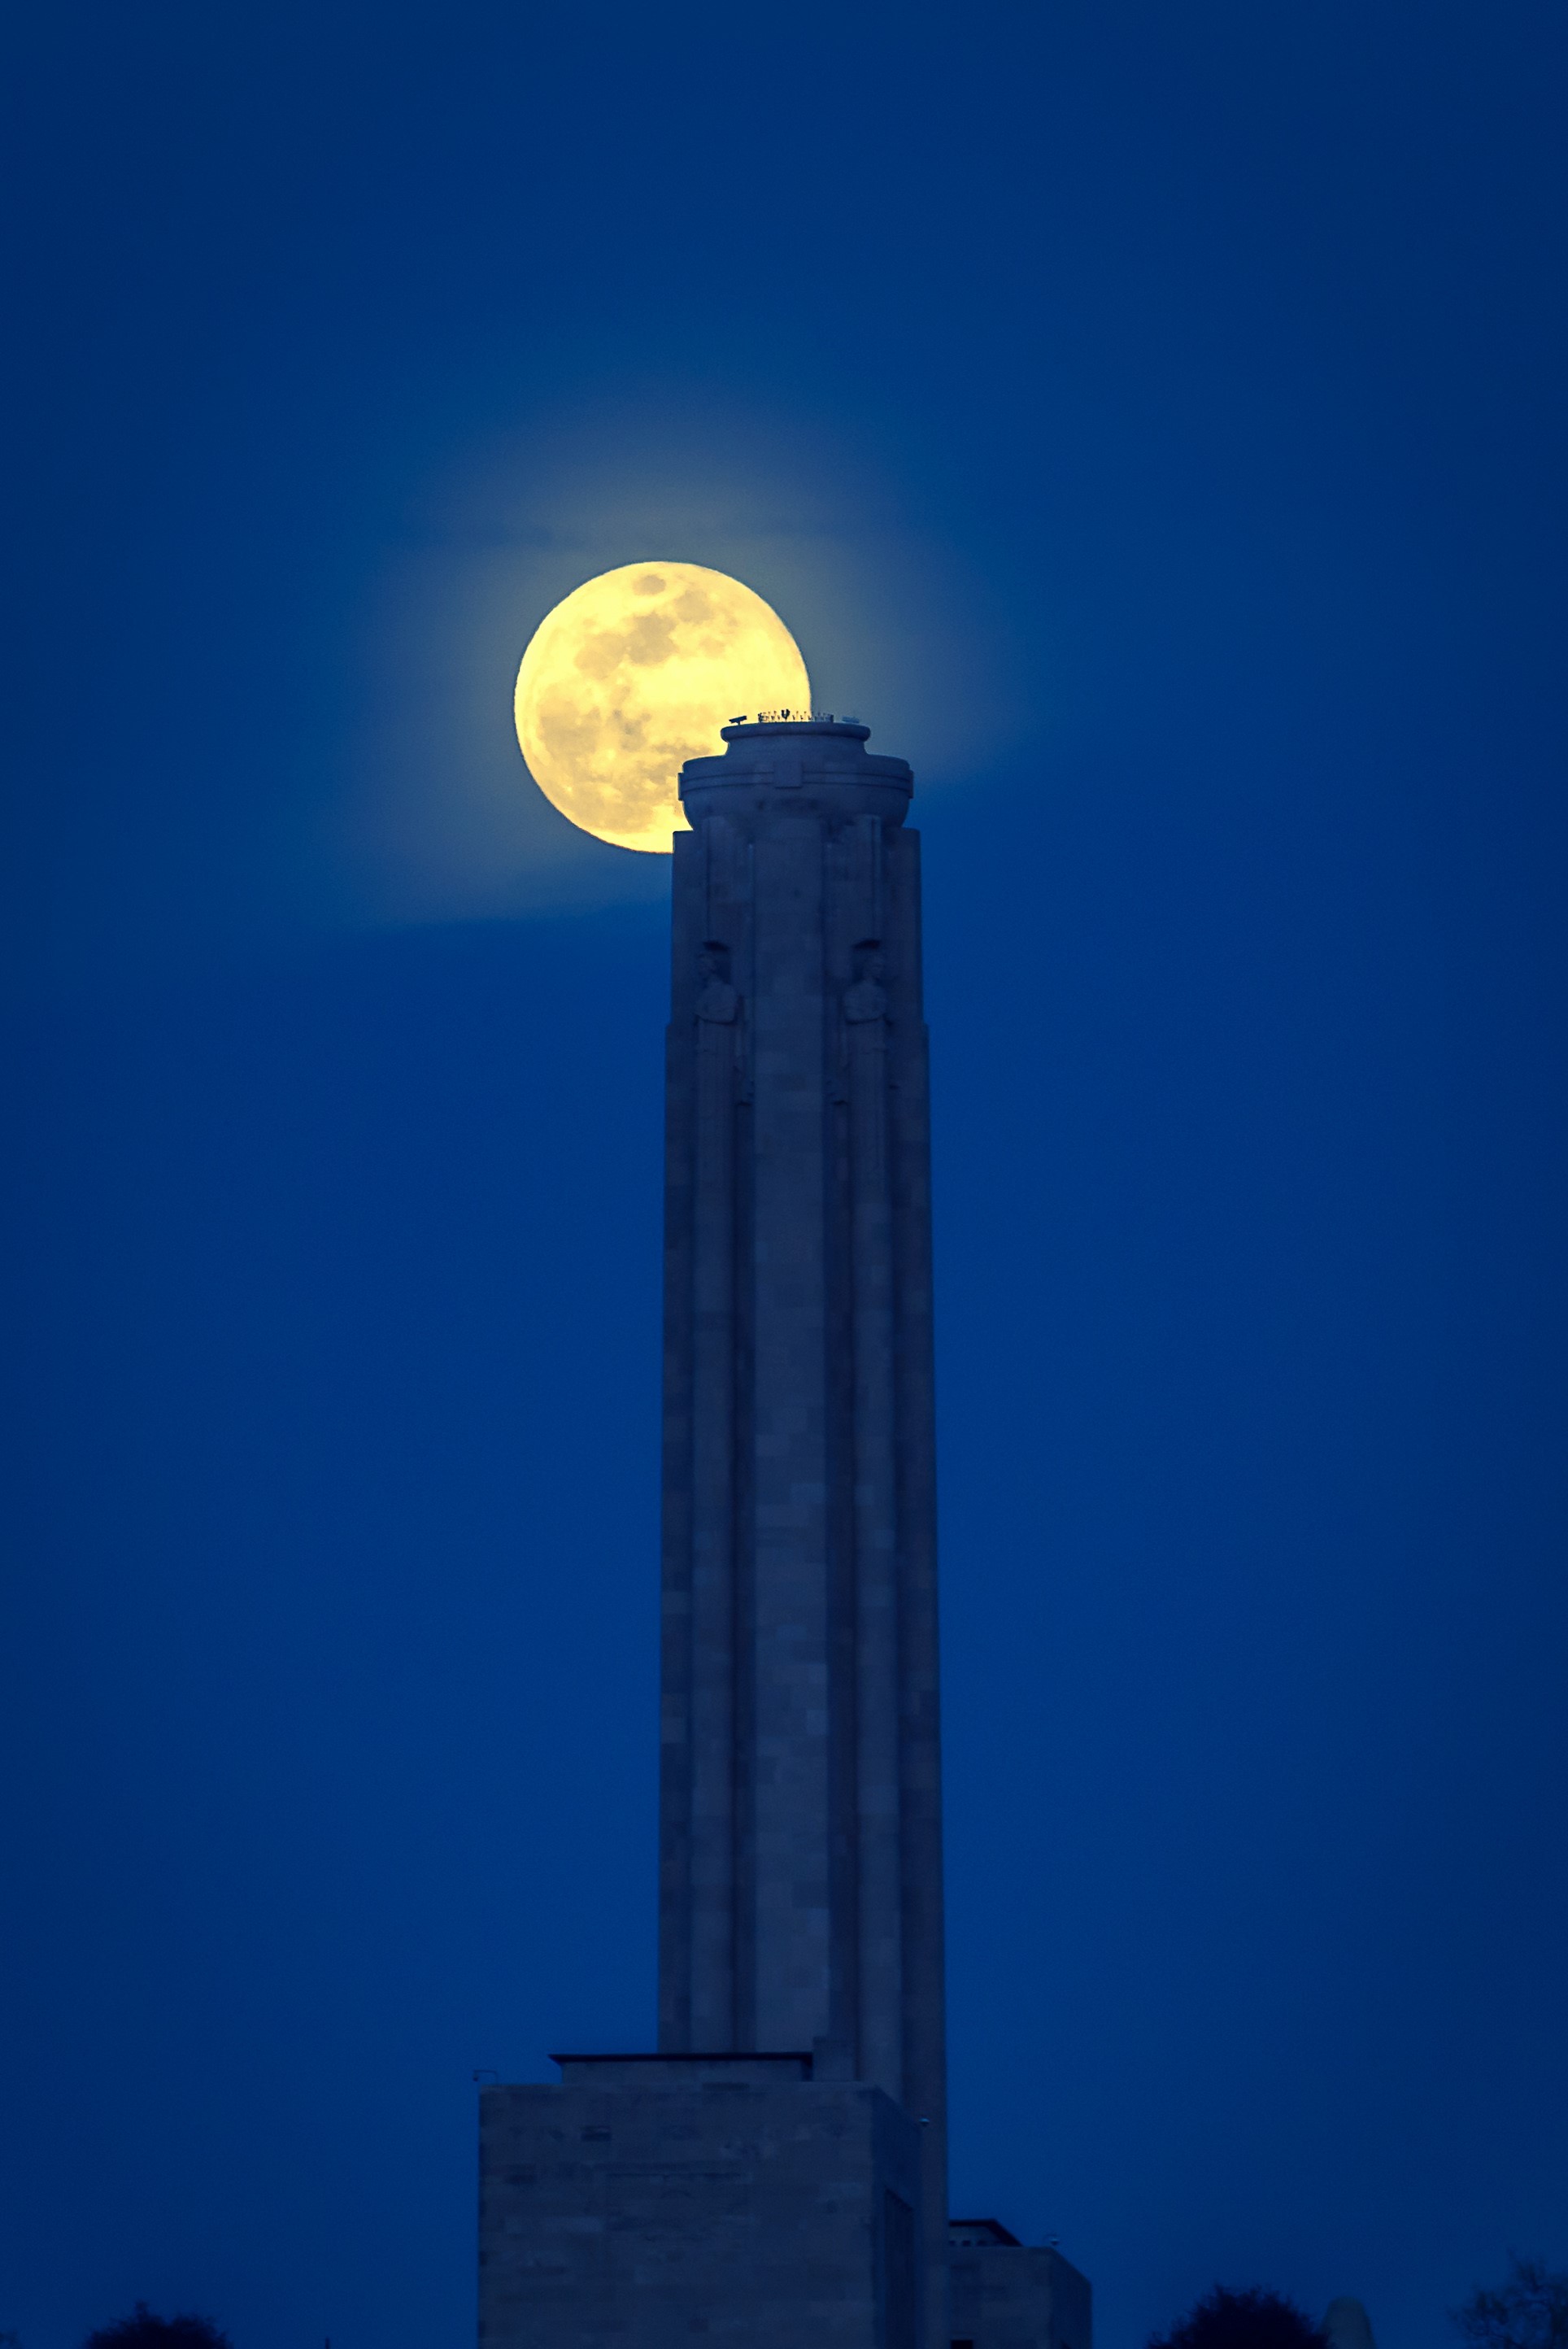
(794, 718)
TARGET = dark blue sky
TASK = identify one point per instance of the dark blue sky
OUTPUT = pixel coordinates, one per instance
(1151, 419)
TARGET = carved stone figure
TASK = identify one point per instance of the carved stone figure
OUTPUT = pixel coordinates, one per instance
(867, 999)
(716, 998)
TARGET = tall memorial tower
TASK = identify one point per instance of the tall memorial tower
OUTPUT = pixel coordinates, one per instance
(776, 2170)
(800, 1876)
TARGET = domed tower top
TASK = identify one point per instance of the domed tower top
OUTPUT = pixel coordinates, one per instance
(781, 764)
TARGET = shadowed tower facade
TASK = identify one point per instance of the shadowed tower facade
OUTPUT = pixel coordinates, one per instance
(800, 1879)
(775, 2172)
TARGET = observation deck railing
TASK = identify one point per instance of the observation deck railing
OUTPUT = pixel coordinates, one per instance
(793, 718)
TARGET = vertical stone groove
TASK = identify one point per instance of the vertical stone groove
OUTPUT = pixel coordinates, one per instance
(713, 1517)
(880, 1919)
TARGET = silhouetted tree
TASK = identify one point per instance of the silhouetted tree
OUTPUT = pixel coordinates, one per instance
(143, 2330)
(1242, 2320)
(1529, 2310)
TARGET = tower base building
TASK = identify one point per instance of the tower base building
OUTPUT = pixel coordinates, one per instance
(1010, 2295)
(730, 2199)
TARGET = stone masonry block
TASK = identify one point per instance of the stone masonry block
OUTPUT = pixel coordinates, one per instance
(663, 2201)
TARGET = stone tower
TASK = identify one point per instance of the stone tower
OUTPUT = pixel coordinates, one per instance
(800, 1880)
(775, 2171)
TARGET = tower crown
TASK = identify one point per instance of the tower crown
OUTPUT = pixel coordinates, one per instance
(784, 766)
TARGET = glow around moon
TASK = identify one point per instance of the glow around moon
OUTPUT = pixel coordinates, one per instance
(632, 674)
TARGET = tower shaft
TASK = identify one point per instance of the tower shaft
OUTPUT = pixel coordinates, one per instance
(800, 1894)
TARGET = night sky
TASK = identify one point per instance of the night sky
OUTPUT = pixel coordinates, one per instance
(1150, 419)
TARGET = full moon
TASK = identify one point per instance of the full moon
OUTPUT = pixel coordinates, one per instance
(634, 673)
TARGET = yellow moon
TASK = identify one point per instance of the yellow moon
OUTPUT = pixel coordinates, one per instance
(634, 673)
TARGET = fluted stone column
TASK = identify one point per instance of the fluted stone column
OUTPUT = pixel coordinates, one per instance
(800, 1835)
